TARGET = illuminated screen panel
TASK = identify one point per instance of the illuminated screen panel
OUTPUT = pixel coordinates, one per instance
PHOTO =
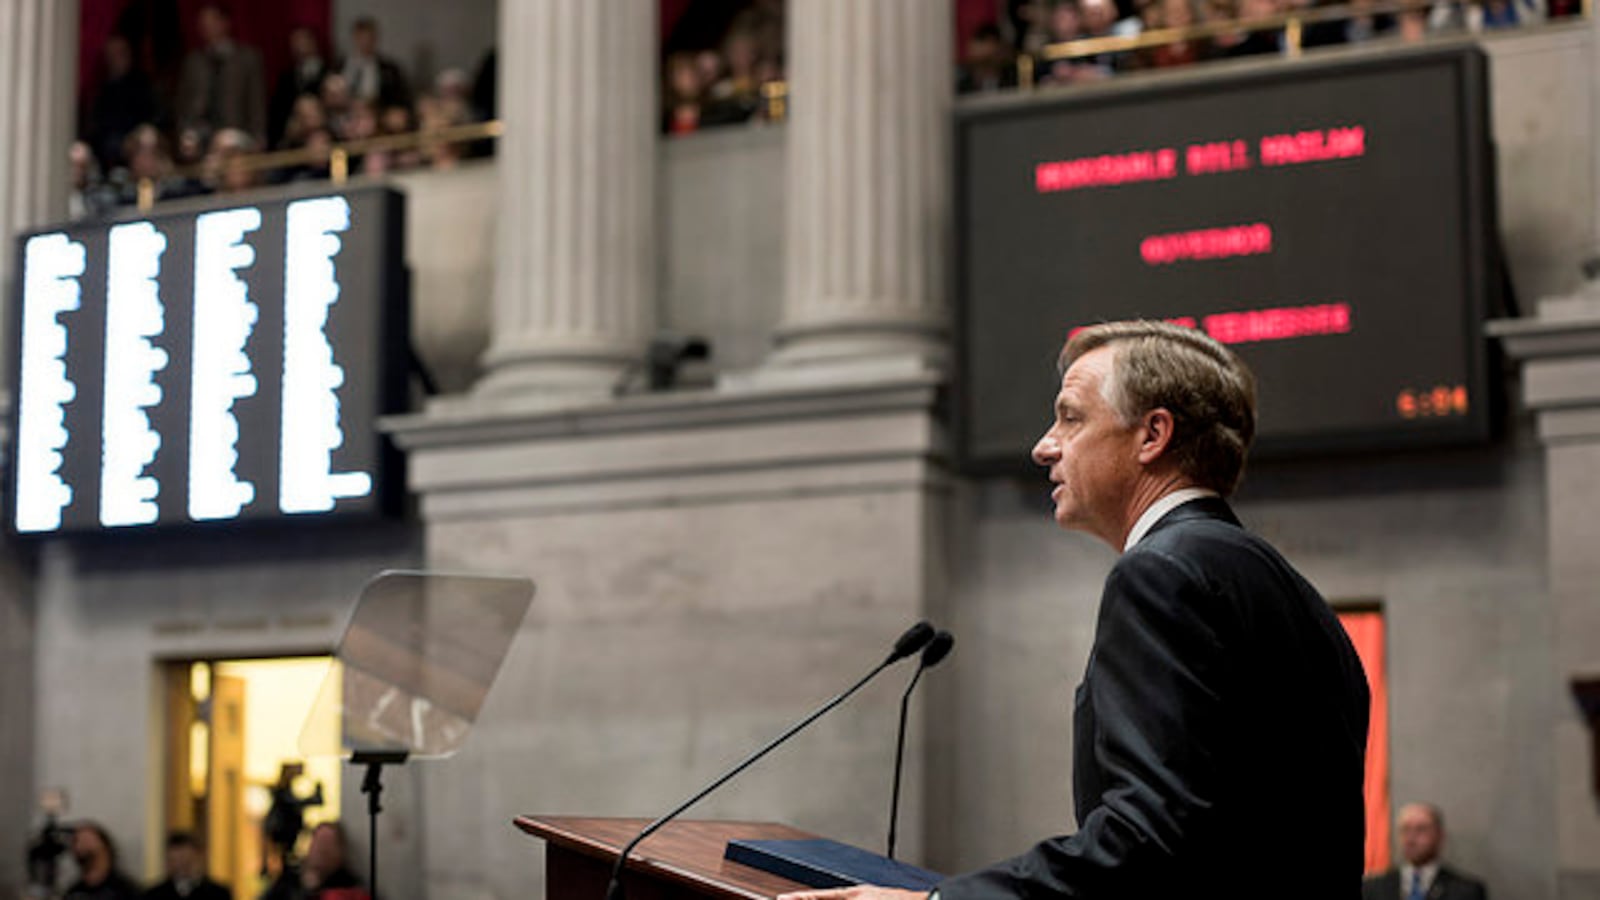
(1330, 221)
(223, 365)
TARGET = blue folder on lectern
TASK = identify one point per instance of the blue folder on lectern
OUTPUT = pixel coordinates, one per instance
(821, 863)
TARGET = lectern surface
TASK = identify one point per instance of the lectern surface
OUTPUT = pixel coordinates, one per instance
(683, 857)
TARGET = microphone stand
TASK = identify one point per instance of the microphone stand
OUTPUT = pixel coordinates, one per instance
(899, 755)
(614, 889)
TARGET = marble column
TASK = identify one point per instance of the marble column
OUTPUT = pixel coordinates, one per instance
(1559, 350)
(38, 68)
(868, 191)
(38, 59)
(575, 274)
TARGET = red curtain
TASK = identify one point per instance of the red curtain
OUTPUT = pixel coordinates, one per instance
(1365, 628)
(265, 26)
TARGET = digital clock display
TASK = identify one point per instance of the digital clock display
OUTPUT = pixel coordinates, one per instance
(215, 366)
(1332, 221)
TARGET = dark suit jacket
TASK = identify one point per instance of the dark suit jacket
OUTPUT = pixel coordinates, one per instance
(240, 92)
(1219, 735)
(1447, 885)
(205, 890)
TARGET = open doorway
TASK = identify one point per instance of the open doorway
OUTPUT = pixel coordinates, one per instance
(236, 777)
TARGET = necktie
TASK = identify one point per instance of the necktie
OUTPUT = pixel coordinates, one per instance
(1416, 886)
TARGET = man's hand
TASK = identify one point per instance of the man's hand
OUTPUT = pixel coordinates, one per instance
(859, 892)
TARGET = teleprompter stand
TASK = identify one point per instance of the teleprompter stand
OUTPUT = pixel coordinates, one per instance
(413, 668)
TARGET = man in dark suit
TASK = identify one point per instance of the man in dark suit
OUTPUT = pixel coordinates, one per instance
(186, 873)
(223, 85)
(1220, 729)
(1421, 876)
(372, 76)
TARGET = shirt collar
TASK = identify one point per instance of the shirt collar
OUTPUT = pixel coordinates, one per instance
(1429, 873)
(1160, 508)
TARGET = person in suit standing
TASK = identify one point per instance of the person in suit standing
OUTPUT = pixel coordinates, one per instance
(372, 76)
(1220, 688)
(1422, 876)
(223, 85)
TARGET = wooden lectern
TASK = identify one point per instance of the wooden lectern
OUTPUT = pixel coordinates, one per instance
(682, 861)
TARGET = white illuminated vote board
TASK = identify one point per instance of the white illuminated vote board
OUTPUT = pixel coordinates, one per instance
(220, 365)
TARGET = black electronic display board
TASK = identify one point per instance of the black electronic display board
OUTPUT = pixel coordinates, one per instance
(1332, 221)
(212, 366)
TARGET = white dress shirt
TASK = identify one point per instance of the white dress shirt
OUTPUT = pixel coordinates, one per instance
(1160, 508)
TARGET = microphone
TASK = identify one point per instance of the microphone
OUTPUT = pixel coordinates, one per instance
(932, 655)
(914, 639)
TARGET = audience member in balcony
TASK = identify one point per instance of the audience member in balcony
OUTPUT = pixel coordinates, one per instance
(222, 84)
(737, 94)
(336, 104)
(149, 157)
(91, 196)
(1066, 24)
(1174, 14)
(318, 144)
(1252, 43)
(125, 100)
(361, 124)
(305, 117)
(990, 65)
(1364, 25)
(226, 165)
(371, 76)
(303, 75)
(684, 95)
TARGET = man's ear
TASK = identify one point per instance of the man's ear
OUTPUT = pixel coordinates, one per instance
(1155, 434)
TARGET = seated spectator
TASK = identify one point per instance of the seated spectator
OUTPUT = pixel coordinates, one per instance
(1100, 20)
(186, 873)
(737, 94)
(91, 197)
(303, 75)
(305, 117)
(225, 164)
(99, 876)
(1252, 43)
(325, 874)
(336, 104)
(318, 145)
(990, 65)
(1358, 29)
(125, 100)
(149, 158)
(684, 95)
(1174, 14)
(1066, 24)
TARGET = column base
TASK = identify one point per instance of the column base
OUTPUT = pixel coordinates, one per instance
(850, 342)
(548, 374)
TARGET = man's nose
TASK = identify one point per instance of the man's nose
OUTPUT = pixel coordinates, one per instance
(1047, 450)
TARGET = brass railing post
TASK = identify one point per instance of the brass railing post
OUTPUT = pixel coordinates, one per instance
(1025, 71)
(339, 165)
(1293, 33)
(146, 196)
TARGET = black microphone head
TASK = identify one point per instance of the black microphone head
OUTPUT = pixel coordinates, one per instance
(938, 649)
(915, 638)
